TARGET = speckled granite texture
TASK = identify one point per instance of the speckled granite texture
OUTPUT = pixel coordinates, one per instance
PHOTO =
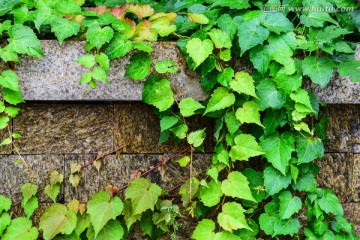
(56, 77)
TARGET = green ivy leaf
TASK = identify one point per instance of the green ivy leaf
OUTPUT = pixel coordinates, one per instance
(232, 217)
(167, 122)
(243, 83)
(111, 231)
(224, 77)
(30, 206)
(98, 36)
(289, 204)
(57, 219)
(180, 131)
(65, 7)
(162, 26)
(8, 55)
(143, 195)
(245, 148)
(63, 28)
(305, 183)
(278, 150)
(12, 111)
(220, 99)
(229, 25)
(9, 80)
(341, 223)
(99, 74)
(139, 66)
(220, 38)
(260, 56)
(256, 183)
(188, 106)
(351, 69)
(231, 122)
(302, 97)
(4, 122)
(249, 113)
(5, 203)
(198, 18)
(210, 195)
(24, 41)
(320, 70)
(21, 228)
(141, 46)
(204, 230)
(233, 4)
(287, 227)
(166, 66)
(199, 50)
(5, 221)
(269, 95)
(118, 46)
(276, 22)
(184, 161)
(274, 181)
(237, 185)
(87, 60)
(330, 203)
(52, 191)
(226, 235)
(251, 34)
(309, 149)
(196, 138)
(290, 83)
(316, 19)
(158, 93)
(28, 190)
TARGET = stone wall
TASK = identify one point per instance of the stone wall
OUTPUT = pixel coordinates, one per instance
(62, 123)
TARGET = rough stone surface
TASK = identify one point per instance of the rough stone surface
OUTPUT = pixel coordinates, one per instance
(137, 127)
(40, 166)
(4, 133)
(336, 172)
(64, 128)
(117, 171)
(340, 89)
(56, 77)
(356, 179)
(343, 127)
(352, 213)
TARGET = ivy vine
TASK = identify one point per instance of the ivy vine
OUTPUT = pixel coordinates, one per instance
(266, 113)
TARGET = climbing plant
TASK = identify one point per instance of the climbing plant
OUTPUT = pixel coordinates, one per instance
(264, 113)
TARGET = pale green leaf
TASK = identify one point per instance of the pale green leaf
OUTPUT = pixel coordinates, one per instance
(99, 74)
(243, 83)
(226, 236)
(350, 68)
(245, 148)
(111, 231)
(276, 22)
(67, 7)
(139, 66)
(228, 24)
(220, 99)
(141, 46)
(158, 93)
(237, 185)
(288, 83)
(199, 50)
(180, 131)
(166, 66)
(102, 208)
(198, 18)
(231, 122)
(287, 227)
(87, 60)
(5, 203)
(233, 4)
(21, 228)
(232, 217)
(210, 195)
(103, 61)
(63, 28)
(330, 203)
(5, 221)
(9, 80)
(249, 113)
(184, 161)
(188, 106)
(143, 195)
(224, 77)
(196, 138)
(28, 190)
(204, 230)
(52, 191)
(4, 122)
(57, 219)
(220, 38)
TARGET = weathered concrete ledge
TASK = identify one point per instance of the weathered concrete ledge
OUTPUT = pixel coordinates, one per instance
(56, 77)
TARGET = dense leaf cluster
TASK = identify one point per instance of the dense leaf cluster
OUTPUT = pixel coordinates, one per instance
(262, 113)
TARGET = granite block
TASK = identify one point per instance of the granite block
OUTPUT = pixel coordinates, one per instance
(13, 176)
(343, 127)
(339, 89)
(56, 77)
(53, 128)
(336, 173)
(352, 213)
(356, 180)
(137, 127)
(117, 171)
